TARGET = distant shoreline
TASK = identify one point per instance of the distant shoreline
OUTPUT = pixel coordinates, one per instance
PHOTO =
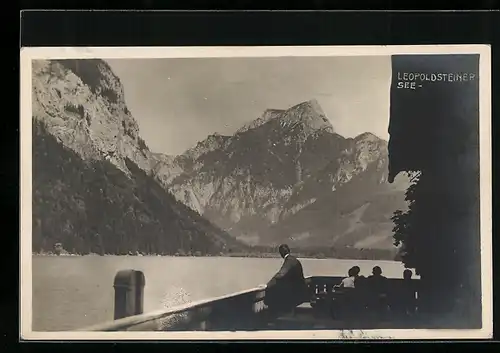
(257, 256)
(254, 256)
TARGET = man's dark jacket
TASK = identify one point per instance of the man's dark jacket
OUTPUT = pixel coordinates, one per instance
(288, 287)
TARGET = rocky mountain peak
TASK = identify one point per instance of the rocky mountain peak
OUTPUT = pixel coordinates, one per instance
(262, 183)
(368, 137)
(272, 113)
(313, 104)
(269, 114)
(98, 76)
(309, 115)
(211, 143)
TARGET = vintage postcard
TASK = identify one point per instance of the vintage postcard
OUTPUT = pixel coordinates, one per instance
(256, 193)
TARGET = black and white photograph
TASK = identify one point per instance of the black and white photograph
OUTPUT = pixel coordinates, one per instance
(258, 192)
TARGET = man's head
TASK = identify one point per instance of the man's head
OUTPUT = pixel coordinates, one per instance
(284, 250)
(377, 271)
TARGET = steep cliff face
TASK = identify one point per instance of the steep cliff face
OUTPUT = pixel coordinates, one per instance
(81, 103)
(264, 181)
(95, 186)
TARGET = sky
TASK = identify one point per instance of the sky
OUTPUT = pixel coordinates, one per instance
(180, 101)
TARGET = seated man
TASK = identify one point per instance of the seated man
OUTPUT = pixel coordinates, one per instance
(359, 279)
(408, 293)
(377, 281)
(288, 287)
(377, 286)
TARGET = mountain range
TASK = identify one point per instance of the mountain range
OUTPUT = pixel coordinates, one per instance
(92, 189)
(289, 177)
(286, 176)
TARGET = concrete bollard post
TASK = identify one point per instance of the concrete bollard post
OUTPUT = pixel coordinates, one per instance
(129, 293)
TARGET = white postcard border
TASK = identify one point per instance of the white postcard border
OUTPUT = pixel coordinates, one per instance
(32, 53)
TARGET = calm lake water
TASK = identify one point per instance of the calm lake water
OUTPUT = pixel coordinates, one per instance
(74, 292)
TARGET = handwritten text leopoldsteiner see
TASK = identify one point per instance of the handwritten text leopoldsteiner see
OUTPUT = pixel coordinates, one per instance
(414, 80)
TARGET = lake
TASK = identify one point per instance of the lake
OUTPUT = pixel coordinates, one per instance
(73, 292)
